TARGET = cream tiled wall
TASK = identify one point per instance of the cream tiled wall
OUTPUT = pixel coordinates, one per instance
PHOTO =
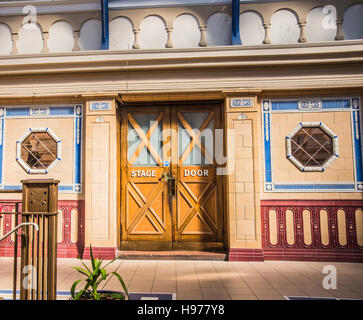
(341, 170)
(15, 128)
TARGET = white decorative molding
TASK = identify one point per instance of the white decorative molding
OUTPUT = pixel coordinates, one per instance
(310, 105)
(23, 164)
(296, 162)
(100, 106)
(241, 103)
(39, 111)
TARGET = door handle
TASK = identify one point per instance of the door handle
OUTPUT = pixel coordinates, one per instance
(171, 186)
(171, 183)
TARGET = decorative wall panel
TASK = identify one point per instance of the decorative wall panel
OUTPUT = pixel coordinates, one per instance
(323, 230)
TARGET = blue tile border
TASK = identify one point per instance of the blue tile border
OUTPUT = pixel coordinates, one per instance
(77, 182)
(53, 111)
(26, 112)
(352, 105)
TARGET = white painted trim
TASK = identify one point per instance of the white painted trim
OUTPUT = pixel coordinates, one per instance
(24, 165)
(296, 162)
(47, 6)
(13, 8)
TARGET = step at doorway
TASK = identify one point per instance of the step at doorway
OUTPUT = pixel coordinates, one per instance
(172, 255)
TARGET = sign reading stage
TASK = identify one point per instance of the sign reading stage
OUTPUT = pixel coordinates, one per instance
(143, 173)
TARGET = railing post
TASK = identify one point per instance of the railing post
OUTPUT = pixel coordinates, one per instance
(39, 250)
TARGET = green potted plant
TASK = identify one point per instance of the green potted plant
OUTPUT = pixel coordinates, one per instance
(94, 276)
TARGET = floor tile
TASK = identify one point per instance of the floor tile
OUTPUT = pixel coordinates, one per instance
(269, 297)
(220, 280)
(243, 297)
(242, 290)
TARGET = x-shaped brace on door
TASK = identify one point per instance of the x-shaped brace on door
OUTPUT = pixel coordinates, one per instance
(145, 139)
(196, 141)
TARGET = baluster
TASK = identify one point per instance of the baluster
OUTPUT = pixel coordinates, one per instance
(76, 35)
(340, 34)
(169, 43)
(267, 27)
(136, 44)
(302, 25)
(45, 42)
(203, 41)
(15, 38)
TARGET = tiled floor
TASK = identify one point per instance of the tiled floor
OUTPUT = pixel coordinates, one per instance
(217, 280)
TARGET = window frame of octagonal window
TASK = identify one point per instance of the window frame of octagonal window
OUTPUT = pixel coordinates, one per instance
(327, 131)
(24, 165)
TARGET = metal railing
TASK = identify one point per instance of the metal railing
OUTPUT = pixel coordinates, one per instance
(15, 264)
(38, 252)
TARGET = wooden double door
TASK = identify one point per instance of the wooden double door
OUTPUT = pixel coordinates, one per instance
(171, 195)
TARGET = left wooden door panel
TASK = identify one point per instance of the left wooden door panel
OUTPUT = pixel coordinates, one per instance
(145, 219)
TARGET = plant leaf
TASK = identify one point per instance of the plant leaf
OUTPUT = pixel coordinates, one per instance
(73, 289)
(104, 274)
(91, 254)
(83, 271)
(79, 295)
(86, 267)
(122, 283)
(117, 295)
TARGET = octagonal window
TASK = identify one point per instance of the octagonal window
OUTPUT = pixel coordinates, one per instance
(38, 150)
(312, 146)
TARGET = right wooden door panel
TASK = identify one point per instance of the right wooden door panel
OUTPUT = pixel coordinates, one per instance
(198, 218)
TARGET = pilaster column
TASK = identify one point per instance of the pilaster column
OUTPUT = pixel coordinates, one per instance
(100, 161)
